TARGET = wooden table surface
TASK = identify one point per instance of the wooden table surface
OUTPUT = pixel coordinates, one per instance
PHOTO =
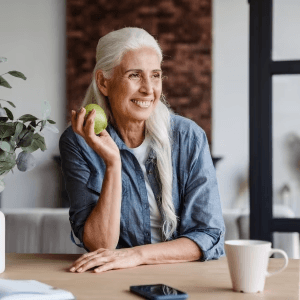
(200, 280)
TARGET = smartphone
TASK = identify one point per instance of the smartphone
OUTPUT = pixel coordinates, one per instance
(158, 292)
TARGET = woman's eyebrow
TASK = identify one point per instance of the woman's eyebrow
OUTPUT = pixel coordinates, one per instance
(139, 70)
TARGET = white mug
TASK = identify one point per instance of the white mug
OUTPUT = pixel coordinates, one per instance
(248, 264)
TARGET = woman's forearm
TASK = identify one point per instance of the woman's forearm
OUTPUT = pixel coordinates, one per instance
(102, 228)
(179, 250)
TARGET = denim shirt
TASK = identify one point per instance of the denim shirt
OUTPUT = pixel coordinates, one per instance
(195, 188)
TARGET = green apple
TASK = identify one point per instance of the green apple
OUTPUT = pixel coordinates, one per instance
(100, 119)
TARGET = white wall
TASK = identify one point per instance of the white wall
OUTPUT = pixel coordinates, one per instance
(230, 127)
(230, 113)
(32, 34)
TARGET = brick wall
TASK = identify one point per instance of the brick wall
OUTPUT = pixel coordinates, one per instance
(183, 30)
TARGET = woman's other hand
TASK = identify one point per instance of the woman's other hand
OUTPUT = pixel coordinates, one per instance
(102, 143)
(105, 259)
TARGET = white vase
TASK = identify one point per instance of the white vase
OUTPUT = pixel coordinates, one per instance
(2, 242)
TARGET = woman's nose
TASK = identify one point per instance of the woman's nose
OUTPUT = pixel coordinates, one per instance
(146, 86)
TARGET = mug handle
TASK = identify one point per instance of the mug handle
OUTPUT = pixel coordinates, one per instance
(272, 251)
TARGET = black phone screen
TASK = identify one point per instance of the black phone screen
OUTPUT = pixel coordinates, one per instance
(158, 291)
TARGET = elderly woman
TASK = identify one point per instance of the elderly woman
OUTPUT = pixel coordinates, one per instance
(143, 191)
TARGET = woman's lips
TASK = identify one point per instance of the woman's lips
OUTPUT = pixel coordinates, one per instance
(143, 104)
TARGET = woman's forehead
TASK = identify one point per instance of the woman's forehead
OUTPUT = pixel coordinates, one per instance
(145, 58)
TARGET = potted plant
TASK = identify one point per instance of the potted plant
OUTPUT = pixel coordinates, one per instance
(18, 134)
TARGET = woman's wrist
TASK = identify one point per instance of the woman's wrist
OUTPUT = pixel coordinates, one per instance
(174, 251)
(139, 254)
(117, 163)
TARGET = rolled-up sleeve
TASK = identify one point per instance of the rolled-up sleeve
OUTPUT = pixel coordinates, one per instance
(201, 217)
(76, 174)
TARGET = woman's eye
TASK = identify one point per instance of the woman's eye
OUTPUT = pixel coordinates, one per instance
(156, 75)
(135, 75)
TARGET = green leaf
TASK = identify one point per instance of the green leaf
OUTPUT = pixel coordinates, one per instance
(39, 141)
(33, 147)
(12, 144)
(17, 74)
(27, 118)
(51, 122)
(11, 103)
(7, 165)
(5, 146)
(3, 155)
(4, 83)
(18, 129)
(21, 134)
(5, 135)
(25, 138)
(7, 129)
(8, 161)
(9, 113)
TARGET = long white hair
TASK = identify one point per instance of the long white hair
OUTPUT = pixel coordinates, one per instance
(110, 51)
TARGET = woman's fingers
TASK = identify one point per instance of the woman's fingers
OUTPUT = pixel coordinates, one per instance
(93, 262)
(77, 121)
(106, 259)
(87, 255)
(85, 258)
(90, 262)
(105, 267)
(89, 126)
(83, 124)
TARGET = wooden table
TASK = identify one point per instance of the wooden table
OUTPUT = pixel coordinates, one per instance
(201, 280)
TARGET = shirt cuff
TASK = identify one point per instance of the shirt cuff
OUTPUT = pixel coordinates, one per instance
(76, 241)
(211, 247)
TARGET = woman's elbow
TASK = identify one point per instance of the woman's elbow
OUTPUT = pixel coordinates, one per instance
(93, 242)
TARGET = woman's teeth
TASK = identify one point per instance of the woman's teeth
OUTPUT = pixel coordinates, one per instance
(142, 103)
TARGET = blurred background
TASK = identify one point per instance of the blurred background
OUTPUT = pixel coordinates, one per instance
(206, 48)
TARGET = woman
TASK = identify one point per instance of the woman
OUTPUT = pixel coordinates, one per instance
(143, 191)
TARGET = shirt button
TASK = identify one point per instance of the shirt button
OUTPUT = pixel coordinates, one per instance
(145, 206)
(147, 233)
(149, 172)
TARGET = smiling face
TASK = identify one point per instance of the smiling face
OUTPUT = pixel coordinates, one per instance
(135, 88)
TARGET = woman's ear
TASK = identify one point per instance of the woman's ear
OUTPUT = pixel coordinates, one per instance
(101, 82)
